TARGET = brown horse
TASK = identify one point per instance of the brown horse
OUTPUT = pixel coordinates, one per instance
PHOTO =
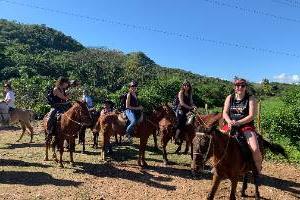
(167, 132)
(18, 115)
(228, 160)
(67, 128)
(112, 124)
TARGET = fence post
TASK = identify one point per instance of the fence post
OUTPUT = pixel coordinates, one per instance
(206, 108)
(259, 117)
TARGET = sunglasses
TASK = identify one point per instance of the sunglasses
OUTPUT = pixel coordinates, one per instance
(239, 85)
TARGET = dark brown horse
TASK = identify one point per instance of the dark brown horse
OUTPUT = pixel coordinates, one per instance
(228, 160)
(67, 129)
(167, 132)
(94, 115)
(112, 124)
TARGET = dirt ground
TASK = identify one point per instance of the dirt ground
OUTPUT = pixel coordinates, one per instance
(24, 174)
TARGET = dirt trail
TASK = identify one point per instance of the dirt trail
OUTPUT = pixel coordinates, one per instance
(24, 175)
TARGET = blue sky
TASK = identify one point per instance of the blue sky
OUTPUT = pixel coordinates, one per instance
(263, 24)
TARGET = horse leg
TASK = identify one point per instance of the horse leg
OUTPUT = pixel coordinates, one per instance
(256, 183)
(23, 130)
(186, 150)
(72, 150)
(82, 139)
(31, 130)
(61, 151)
(54, 145)
(95, 140)
(143, 144)
(116, 139)
(214, 188)
(234, 182)
(47, 145)
(103, 146)
(164, 143)
(245, 185)
(155, 139)
(178, 149)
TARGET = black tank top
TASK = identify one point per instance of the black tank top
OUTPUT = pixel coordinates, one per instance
(133, 101)
(187, 101)
(239, 109)
(58, 100)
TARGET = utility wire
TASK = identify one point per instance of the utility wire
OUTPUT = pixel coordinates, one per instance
(252, 11)
(296, 5)
(151, 29)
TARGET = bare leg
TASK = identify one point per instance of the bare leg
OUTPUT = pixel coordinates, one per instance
(254, 147)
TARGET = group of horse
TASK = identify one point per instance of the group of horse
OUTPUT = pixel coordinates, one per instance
(202, 134)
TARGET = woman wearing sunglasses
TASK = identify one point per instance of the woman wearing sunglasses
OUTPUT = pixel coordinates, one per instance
(239, 113)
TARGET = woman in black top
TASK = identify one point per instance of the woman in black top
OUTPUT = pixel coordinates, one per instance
(185, 104)
(59, 100)
(239, 112)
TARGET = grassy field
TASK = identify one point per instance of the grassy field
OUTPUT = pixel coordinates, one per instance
(24, 174)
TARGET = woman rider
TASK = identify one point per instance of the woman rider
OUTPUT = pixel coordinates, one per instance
(9, 97)
(239, 112)
(184, 105)
(59, 99)
(133, 109)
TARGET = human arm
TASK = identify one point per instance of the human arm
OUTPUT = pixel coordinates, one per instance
(58, 93)
(226, 112)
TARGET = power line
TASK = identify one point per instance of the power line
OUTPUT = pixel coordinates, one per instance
(151, 29)
(293, 5)
(252, 11)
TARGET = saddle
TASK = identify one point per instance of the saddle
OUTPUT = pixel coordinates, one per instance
(242, 142)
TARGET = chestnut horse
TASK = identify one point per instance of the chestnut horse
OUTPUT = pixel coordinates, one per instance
(67, 128)
(113, 123)
(228, 160)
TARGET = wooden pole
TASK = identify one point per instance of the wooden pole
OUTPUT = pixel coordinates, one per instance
(206, 108)
(259, 117)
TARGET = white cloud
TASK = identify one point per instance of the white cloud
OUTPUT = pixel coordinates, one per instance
(285, 78)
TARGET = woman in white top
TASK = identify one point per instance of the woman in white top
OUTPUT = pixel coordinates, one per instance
(9, 97)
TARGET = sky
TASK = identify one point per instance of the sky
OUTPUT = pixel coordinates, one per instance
(253, 39)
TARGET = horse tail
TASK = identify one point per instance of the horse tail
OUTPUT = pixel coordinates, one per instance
(274, 148)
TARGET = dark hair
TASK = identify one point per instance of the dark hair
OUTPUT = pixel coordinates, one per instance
(185, 82)
(8, 86)
(133, 84)
(61, 80)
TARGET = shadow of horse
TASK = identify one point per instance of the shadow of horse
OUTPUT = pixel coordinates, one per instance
(20, 163)
(23, 145)
(284, 185)
(109, 170)
(33, 179)
(9, 128)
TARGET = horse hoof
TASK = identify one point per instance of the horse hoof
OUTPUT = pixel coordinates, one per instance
(166, 163)
(18, 140)
(61, 166)
(46, 159)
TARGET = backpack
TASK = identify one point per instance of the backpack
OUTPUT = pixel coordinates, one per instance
(123, 98)
(50, 97)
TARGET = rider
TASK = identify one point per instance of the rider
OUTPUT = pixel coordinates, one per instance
(9, 97)
(184, 105)
(239, 112)
(86, 98)
(59, 100)
(133, 109)
(107, 107)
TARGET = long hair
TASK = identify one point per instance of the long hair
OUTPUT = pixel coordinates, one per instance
(190, 88)
(61, 80)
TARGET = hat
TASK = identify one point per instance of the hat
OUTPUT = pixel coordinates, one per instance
(186, 82)
(133, 84)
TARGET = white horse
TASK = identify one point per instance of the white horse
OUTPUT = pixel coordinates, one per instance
(17, 115)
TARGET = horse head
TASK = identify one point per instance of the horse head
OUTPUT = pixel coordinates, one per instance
(83, 113)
